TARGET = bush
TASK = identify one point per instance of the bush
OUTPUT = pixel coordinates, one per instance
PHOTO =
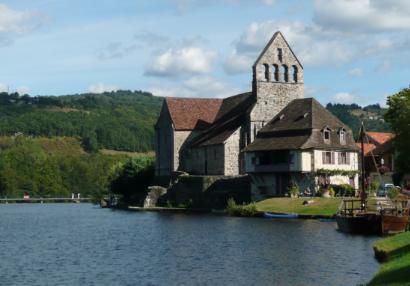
(347, 190)
(392, 193)
(294, 191)
(240, 210)
(331, 191)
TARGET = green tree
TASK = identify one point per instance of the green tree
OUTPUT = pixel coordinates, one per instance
(398, 116)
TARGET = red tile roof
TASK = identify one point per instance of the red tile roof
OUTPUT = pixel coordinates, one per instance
(367, 147)
(380, 137)
(192, 113)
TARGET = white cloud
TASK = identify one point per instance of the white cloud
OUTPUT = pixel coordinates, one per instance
(362, 15)
(344, 98)
(184, 5)
(182, 62)
(384, 66)
(101, 88)
(196, 86)
(356, 72)
(22, 90)
(4, 87)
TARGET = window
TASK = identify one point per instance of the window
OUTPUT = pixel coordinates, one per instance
(274, 157)
(328, 157)
(342, 134)
(326, 135)
(295, 73)
(266, 66)
(275, 71)
(344, 158)
(284, 73)
(280, 55)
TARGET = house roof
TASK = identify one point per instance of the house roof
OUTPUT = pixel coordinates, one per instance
(380, 137)
(299, 126)
(192, 113)
(368, 147)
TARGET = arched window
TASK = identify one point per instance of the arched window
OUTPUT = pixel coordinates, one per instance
(266, 66)
(295, 73)
(275, 71)
(284, 73)
(280, 55)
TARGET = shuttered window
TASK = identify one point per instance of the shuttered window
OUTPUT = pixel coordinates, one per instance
(344, 158)
(328, 157)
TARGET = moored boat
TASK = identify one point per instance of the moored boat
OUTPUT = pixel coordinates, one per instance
(280, 215)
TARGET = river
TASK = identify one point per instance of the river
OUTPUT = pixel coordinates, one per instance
(82, 244)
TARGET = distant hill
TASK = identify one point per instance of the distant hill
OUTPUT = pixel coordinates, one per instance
(121, 120)
(352, 115)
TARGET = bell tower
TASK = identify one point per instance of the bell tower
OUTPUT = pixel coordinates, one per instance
(277, 80)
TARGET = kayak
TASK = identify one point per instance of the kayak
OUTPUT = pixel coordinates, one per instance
(279, 215)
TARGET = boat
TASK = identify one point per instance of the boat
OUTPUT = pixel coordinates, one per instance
(384, 217)
(280, 215)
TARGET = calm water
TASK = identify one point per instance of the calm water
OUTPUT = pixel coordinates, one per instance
(81, 244)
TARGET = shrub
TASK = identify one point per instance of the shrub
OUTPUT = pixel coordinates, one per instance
(347, 190)
(240, 210)
(294, 190)
(331, 191)
(392, 193)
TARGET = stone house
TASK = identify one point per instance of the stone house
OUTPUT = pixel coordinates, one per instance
(205, 136)
(303, 144)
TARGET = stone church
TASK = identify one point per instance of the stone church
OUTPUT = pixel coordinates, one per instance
(205, 136)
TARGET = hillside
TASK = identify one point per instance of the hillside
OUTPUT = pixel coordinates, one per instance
(121, 120)
(352, 115)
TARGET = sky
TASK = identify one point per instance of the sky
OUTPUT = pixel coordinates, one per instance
(352, 51)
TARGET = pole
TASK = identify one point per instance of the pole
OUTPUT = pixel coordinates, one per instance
(363, 192)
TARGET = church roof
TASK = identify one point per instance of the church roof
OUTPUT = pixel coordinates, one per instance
(299, 126)
(193, 113)
(230, 117)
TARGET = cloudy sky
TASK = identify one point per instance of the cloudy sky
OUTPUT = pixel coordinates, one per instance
(352, 50)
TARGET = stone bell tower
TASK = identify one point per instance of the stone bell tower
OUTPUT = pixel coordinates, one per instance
(277, 80)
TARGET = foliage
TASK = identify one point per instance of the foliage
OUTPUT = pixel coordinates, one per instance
(294, 190)
(374, 186)
(121, 120)
(132, 178)
(336, 172)
(52, 167)
(240, 210)
(398, 116)
(331, 191)
(353, 114)
(392, 193)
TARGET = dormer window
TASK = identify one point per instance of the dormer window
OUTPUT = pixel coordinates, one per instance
(326, 135)
(342, 136)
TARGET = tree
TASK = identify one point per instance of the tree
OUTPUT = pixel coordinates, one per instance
(398, 116)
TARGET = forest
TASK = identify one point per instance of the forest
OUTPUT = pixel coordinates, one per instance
(121, 120)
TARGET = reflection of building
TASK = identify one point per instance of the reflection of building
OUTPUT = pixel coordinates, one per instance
(304, 144)
(379, 155)
(206, 136)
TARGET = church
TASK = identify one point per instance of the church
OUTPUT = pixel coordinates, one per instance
(211, 136)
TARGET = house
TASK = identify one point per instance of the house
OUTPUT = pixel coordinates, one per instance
(379, 156)
(303, 144)
(205, 136)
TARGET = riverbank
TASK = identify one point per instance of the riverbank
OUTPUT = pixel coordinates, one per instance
(312, 207)
(394, 253)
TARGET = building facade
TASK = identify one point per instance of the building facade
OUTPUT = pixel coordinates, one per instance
(206, 136)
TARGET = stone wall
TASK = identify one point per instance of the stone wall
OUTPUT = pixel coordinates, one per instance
(180, 137)
(210, 192)
(164, 138)
(232, 154)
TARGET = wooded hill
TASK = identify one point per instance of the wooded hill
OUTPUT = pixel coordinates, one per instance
(352, 115)
(121, 120)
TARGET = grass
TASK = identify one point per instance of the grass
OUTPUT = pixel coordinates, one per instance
(320, 206)
(396, 270)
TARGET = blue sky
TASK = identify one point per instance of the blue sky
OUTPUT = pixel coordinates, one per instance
(352, 51)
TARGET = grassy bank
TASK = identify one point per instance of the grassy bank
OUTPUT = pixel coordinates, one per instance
(319, 206)
(395, 251)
